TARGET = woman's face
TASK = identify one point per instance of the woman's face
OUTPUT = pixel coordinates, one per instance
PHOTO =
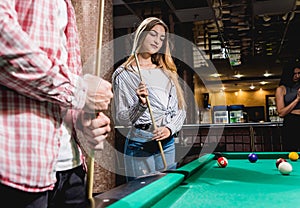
(154, 40)
(296, 76)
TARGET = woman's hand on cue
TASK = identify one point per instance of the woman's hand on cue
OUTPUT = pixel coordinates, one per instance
(161, 133)
(142, 93)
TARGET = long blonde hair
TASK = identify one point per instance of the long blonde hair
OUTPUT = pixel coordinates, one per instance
(162, 59)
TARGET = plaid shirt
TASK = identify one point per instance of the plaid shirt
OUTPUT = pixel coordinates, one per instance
(34, 86)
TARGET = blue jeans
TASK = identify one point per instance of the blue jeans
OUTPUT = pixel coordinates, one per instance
(142, 155)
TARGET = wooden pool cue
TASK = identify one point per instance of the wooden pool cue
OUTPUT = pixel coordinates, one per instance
(252, 142)
(91, 158)
(151, 115)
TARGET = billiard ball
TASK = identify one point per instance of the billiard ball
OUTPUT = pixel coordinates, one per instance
(252, 157)
(293, 156)
(285, 168)
(217, 155)
(222, 162)
(280, 160)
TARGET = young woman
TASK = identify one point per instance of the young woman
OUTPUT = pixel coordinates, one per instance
(159, 82)
(288, 106)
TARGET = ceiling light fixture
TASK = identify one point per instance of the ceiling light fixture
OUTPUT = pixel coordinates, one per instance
(238, 75)
(216, 75)
(252, 87)
(288, 16)
(263, 82)
(266, 18)
(267, 74)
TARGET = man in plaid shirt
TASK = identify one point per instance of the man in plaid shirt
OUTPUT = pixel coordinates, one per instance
(40, 78)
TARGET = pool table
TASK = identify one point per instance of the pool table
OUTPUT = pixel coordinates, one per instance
(201, 183)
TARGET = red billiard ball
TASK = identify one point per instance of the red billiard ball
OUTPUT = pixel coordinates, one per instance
(222, 162)
(252, 157)
(279, 160)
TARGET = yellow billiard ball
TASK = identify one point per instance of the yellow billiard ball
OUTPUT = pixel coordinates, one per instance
(294, 156)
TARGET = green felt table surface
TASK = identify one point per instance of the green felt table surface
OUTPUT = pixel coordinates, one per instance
(240, 184)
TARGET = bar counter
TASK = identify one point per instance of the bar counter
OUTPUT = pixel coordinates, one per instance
(259, 136)
(253, 124)
(208, 125)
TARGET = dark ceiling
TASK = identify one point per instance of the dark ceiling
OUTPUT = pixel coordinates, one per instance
(251, 36)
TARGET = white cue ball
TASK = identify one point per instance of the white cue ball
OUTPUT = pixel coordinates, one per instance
(285, 168)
